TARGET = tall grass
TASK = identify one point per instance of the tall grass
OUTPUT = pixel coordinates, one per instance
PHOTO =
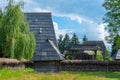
(29, 74)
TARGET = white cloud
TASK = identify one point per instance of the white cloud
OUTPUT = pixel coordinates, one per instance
(71, 16)
(41, 10)
(78, 18)
(61, 31)
(102, 31)
(3, 3)
(97, 30)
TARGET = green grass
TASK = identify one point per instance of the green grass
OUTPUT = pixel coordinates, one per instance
(29, 74)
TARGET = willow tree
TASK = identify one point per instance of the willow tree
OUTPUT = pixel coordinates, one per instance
(17, 40)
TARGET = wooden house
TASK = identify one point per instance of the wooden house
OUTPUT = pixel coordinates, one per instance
(77, 51)
(47, 57)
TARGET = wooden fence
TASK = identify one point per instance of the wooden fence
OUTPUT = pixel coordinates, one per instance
(72, 65)
(80, 65)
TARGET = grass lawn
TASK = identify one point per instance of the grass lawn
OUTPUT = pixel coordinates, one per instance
(29, 74)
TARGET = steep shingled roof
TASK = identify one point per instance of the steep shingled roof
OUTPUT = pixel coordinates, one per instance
(117, 55)
(46, 45)
(84, 47)
(89, 45)
(95, 43)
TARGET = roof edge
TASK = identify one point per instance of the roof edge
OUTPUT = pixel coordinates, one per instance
(37, 13)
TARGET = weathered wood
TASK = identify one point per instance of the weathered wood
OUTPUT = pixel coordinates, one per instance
(47, 66)
(47, 56)
(87, 45)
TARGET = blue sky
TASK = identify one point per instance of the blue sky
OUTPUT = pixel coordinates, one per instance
(84, 17)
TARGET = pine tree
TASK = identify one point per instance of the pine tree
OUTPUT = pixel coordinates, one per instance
(16, 39)
(74, 40)
(85, 38)
(60, 43)
(66, 42)
(63, 43)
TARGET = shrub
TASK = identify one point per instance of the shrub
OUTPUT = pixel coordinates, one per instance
(69, 57)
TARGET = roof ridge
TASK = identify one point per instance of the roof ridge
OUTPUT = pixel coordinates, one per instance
(55, 48)
(37, 12)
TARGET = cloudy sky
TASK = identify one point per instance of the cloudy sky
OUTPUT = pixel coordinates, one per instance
(84, 17)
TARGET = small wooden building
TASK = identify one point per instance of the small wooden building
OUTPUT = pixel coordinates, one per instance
(99, 46)
(47, 57)
(77, 51)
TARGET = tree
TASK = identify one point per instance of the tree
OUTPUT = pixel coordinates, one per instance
(85, 38)
(1, 20)
(108, 57)
(63, 43)
(116, 45)
(74, 40)
(66, 42)
(60, 43)
(16, 40)
(112, 18)
(99, 56)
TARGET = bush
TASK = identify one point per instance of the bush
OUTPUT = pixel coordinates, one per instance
(69, 57)
(99, 56)
(108, 57)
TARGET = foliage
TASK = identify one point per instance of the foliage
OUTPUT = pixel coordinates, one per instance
(116, 45)
(112, 18)
(99, 56)
(63, 43)
(16, 40)
(66, 42)
(60, 43)
(29, 74)
(85, 38)
(74, 40)
(108, 57)
(69, 57)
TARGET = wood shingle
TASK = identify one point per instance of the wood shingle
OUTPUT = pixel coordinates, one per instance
(117, 55)
(46, 51)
